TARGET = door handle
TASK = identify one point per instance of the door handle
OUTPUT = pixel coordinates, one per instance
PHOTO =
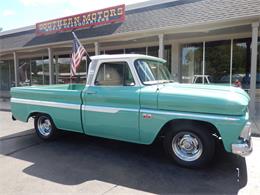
(91, 92)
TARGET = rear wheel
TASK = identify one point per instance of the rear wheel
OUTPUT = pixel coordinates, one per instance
(190, 146)
(45, 127)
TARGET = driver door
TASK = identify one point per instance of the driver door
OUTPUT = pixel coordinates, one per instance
(111, 105)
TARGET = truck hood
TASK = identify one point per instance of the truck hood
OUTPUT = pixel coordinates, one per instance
(200, 98)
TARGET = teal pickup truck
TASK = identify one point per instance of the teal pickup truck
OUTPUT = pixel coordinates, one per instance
(133, 98)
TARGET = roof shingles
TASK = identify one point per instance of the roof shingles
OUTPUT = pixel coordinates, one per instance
(171, 14)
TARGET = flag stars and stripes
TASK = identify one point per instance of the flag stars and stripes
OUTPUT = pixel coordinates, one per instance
(78, 52)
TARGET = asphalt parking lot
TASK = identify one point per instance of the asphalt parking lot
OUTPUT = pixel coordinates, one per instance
(78, 164)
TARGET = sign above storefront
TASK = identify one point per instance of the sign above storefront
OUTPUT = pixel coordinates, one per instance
(99, 17)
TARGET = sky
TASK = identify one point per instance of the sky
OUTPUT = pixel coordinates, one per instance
(20, 13)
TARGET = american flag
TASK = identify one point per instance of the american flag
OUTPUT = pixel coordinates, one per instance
(77, 53)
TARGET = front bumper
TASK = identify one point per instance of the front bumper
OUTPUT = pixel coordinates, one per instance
(244, 146)
(243, 149)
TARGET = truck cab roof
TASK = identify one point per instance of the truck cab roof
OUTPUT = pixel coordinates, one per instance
(125, 56)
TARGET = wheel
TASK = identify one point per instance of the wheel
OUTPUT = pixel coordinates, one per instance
(190, 146)
(45, 127)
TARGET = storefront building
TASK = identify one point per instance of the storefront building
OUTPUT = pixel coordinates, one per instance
(203, 41)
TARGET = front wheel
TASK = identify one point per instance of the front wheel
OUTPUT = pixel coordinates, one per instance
(190, 146)
(45, 127)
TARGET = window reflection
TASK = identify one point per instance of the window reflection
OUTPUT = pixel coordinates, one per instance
(151, 51)
(24, 72)
(217, 61)
(242, 62)
(39, 71)
(117, 51)
(6, 77)
(168, 56)
(62, 73)
(192, 63)
(141, 50)
(33, 71)
(63, 69)
(154, 51)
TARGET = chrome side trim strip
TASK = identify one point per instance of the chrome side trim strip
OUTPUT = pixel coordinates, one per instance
(104, 109)
(46, 103)
(113, 110)
(197, 115)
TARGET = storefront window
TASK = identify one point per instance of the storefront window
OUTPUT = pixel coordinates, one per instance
(192, 57)
(258, 77)
(151, 51)
(24, 72)
(6, 77)
(62, 70)
(33, 71)
(81, 72)
(46, 74)
(168, 56)
(241, 62)
(154, 51)
(217, 61)
(118, 51)
(39, 71)
(141, 50)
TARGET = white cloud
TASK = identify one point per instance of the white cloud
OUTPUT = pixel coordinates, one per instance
(8, 12)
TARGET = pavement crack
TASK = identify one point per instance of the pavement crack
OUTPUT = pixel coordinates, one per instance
(110, 189)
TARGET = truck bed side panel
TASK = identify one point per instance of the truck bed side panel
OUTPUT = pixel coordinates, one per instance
(61, 104)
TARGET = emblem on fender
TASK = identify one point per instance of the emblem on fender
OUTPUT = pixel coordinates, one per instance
(147, 116)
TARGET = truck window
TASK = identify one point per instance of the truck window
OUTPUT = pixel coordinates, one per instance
(114, 74)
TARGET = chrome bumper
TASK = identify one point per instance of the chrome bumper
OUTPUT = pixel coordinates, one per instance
(242, 149)
(244, 146)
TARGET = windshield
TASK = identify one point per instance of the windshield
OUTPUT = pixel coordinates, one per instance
(152, 72)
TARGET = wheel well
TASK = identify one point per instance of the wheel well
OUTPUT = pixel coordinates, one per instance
(34, 114)
(178, 122)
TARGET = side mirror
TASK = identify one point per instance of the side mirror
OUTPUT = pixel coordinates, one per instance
(96, 83)
(129, 83)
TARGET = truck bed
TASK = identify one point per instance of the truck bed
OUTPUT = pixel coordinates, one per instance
(61, 102)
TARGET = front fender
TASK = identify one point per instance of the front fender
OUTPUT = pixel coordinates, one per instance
(229, 127)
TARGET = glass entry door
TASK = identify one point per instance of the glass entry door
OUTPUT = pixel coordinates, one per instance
(6, 78)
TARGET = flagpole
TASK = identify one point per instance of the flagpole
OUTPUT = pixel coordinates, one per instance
(70, 71)
(71, 75)
(71, 56)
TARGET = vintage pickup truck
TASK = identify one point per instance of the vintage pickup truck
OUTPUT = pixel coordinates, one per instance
(133, 98)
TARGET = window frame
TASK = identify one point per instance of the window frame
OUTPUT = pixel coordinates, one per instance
(114, 61)
(134, 63)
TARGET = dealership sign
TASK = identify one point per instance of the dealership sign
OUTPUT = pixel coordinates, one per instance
(99, 17)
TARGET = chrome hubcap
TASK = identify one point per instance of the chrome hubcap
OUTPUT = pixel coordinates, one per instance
(187, 146)
(44, 126)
